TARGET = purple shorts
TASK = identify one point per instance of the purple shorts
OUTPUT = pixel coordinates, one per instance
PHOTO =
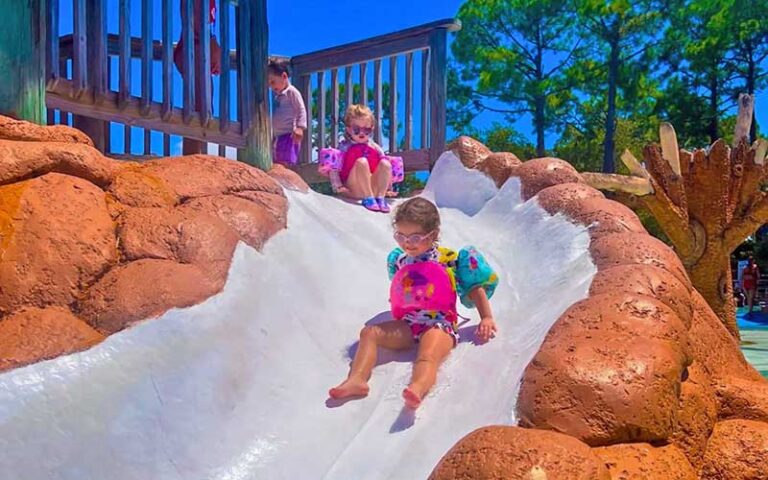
(285, 150)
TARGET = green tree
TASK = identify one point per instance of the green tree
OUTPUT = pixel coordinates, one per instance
(510, 57)
(696, 51)
(750, 24)
(620, 38)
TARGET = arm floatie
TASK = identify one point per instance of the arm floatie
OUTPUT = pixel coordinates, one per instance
(329, 159)
(398, 170)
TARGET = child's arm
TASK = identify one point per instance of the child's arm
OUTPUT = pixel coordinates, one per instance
(336, 183)
(300, 114)
(487, 328)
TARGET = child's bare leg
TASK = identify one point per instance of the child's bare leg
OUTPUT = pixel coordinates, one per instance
(434, 346)
(359, 181)
(395, 335)
(381, 178)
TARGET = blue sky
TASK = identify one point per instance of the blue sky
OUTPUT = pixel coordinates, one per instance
(302, 26)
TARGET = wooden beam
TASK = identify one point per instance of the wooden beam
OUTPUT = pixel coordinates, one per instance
(23, 59)
(438, 93)
(669, 149)
(382, 46)
(634, 166)
(52, 47)
(166, 55)
(320, 110)
(349, 90)
(334, 108)
(187, 60)
(125, 52)
(203, 78)
(224, 79)
(113, 46)
(761, 148)
(106, 109)
(258, 150)
(80, 58)
(96, 66)
(392, 103)
(378, 101)
(363, 83)
(618, 183)
(304, 85)
(408, 101)
(744, 118)
(147, 72)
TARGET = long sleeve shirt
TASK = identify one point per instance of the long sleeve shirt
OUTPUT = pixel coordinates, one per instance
(288, 111)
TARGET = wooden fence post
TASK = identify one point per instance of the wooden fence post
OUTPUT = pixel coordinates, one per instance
(258, 149)
(438, 93)
(96, 49)
(22, 42)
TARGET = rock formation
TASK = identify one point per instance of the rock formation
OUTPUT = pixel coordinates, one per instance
(90, 245)
(642, 371)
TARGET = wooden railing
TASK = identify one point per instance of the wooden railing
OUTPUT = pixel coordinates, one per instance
(81, 73)
(386, 54)
(89, 79)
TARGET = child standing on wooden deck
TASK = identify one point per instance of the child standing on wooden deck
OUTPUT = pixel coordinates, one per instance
(289, 115)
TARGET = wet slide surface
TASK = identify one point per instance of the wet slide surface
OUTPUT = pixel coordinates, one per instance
(236, 387)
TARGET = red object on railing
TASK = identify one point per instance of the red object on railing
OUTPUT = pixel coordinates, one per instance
(178, 51)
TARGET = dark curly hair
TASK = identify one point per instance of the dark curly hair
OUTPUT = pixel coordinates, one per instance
(277, 67)
(418, 211)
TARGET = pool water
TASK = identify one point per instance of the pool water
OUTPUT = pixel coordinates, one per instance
(754, 338)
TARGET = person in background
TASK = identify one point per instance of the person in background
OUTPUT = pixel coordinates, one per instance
(749, 279)
(289, 115)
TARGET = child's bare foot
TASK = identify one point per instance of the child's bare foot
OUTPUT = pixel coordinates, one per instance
(349, 388)
(412, 399)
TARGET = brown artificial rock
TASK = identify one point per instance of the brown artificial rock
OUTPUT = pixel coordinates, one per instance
(24, 160)
(502, 452)
(560, 198)
(196, 176)
(33, 334)
(640, 461)
(498, 166)
(646, 280)
(178, 235)
(540, 173)
(23, 131)
(696, 416)
(134, 188)
(604, 217)
(56, 238)
(469, 150)
(288, 179)
(743, 398)
(254, 223)
(635, 248)
(713, 347)
(609, 371)
(737, 450)
(144, 289)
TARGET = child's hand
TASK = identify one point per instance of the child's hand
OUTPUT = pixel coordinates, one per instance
(486, 330)
(298, 135)
(342, 190)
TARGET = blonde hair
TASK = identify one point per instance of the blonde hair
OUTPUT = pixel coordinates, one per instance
(359, 111)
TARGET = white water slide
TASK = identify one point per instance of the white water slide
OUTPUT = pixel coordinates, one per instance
(236, 387)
